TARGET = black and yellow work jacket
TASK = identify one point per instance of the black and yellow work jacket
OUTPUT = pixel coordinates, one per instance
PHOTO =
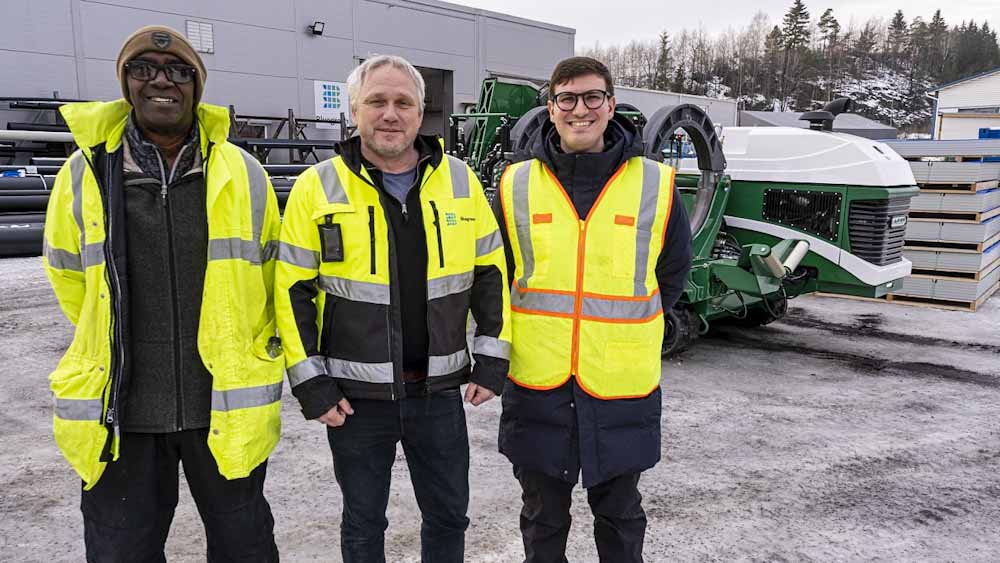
(339, 299)
(85, 260)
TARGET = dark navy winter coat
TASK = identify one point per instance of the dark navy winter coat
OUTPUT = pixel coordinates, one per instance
(564, 431)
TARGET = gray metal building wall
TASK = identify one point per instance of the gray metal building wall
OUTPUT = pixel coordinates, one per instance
(265, 59)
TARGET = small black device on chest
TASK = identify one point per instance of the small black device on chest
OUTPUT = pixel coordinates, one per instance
(331, 241)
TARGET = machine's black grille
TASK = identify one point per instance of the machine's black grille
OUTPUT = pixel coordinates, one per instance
(877, 230)
(817, 213)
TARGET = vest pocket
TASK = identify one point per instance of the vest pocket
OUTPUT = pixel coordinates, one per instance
(622, 356)
(623, 255)
(537, 237)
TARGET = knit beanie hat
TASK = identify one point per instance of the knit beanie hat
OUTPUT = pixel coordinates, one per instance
(162, 39)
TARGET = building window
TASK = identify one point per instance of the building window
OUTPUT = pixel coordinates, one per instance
(994, 109)
(201, 36)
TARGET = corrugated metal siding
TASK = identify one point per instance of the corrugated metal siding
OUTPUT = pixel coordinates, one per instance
(917, 148)
(928, 229)
(953, 290)
(265, 60)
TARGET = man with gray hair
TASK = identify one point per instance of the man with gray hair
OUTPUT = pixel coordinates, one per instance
(384, 251)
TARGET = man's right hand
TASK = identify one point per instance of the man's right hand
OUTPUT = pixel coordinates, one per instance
(337, 416)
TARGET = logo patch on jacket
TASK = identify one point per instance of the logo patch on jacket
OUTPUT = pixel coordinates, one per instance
(450, 218)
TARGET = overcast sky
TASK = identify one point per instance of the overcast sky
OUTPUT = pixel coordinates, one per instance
(619, 21)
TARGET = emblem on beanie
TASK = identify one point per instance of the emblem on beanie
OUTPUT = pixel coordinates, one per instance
(161, 39)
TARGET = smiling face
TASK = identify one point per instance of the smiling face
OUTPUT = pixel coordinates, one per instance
(161, 106)
(387, 113)
(581, 129)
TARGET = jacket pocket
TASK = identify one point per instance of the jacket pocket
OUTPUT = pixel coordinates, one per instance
(77, 422)
(437, 230)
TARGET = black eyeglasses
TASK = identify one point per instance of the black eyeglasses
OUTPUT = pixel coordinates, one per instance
(177, 73)
(592, 99)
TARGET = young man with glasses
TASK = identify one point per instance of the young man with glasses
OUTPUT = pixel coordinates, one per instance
(159, 244)
(599, 246)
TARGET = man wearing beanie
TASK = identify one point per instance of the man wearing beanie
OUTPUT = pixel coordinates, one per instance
(159, 241)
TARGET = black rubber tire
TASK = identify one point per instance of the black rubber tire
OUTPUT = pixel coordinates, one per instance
(679, 331)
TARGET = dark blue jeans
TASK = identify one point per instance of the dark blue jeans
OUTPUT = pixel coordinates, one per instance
(436, 443)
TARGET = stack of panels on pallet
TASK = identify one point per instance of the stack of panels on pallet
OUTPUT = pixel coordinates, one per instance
(953, 234)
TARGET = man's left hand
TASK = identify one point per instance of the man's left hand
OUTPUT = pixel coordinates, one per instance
(477, 394)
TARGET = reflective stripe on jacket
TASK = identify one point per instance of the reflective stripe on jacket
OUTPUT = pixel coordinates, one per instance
(585, 299)
(84, 262)
(356, 307)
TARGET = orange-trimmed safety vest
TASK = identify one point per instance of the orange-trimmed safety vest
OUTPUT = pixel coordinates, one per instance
(585, 301)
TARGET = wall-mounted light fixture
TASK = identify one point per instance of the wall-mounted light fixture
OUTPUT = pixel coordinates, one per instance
(317, 27)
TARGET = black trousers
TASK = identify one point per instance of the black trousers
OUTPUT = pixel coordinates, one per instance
(127, 515)
(436, 444)
(619, 521)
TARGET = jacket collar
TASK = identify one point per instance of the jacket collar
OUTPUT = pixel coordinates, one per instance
(96, 123)
(430, 148)
(621, 142)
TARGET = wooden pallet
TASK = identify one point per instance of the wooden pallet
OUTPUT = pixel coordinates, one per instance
(954, 216)
(957, 188)
(951, 246)
(969, 306)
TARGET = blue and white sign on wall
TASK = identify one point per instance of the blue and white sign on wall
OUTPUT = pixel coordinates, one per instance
(330, 100)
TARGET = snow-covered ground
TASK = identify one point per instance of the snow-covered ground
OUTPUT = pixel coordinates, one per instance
(849, 431)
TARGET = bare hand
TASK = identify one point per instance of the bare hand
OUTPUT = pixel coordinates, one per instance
(477, 395)
(337, 416)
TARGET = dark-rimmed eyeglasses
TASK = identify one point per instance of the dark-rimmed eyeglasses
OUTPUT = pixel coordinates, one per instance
(592, 99)
(178, 73)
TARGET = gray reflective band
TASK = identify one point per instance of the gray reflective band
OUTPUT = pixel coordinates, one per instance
(93, 254)
(77, 166)
(542, 302)
(246, 398)
(644, 223)
(61, 259)
(614, 309)
(459, 177)
(522, 222)
(492, 346)
(444, 365)
(298, 256)
(305, 370)
(258, 193)
(80, 409)
(449, 285)
(270, 251)
(365, 292)
(332, 187)
(234, 248)
(488, 244)
(359, 371)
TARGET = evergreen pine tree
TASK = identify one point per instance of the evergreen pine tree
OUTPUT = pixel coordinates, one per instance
(661, 78)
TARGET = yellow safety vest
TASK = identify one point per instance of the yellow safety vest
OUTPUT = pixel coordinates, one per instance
(237, 313)
(585, 301)
(357, 291)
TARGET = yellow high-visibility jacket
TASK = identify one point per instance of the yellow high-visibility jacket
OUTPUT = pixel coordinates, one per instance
(236, 335)
(585, 300)
(348, 326)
